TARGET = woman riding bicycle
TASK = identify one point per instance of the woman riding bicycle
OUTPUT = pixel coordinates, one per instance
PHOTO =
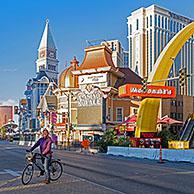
(45, 143)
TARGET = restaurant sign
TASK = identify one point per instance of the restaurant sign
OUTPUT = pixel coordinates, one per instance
(130, 90)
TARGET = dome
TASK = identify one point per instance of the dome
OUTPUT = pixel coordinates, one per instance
(66, 78)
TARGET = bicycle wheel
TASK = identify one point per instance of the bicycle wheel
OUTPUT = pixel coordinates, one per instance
(27, 174)
(56, 170)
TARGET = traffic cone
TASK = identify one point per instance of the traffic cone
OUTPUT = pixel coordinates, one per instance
(160, 157)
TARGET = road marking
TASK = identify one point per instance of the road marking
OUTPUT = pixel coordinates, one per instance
(93, 183)
(8, 181)
(184, 172)
(21, 187)
(12, 172)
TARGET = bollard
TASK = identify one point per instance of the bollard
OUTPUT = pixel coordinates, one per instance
(160, 157)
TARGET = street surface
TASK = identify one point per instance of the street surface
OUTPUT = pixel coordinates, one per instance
(98, 174)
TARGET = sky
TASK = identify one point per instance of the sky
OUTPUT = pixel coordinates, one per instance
(72, 22)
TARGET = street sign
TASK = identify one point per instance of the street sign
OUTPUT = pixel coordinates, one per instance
(130, 90)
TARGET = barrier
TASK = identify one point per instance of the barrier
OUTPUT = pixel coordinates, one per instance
(174, 155)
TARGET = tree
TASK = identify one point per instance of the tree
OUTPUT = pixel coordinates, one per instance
(3, 132)
(167, 135)
(108, 139)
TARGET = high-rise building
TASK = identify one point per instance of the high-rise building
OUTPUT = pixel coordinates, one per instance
(47, 60)
(149, 30)
(117, 52)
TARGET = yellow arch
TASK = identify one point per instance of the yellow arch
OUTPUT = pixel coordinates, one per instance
(148, 111)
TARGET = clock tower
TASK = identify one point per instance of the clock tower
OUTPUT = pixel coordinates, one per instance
(47, 59)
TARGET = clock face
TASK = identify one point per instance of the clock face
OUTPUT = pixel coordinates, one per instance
(51, 54)
(42, 54)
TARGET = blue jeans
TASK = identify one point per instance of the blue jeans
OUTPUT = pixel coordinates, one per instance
(46, 164)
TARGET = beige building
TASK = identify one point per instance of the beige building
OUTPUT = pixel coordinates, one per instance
(117, 52)
(88, 95)
(149, 30)
(179, 108)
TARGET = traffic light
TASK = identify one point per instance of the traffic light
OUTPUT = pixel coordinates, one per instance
(182, 76)
(144, 84)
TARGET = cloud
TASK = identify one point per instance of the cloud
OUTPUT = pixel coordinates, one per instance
(9, 102)
(9, 70)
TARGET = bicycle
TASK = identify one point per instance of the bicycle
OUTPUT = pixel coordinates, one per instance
(55, 167)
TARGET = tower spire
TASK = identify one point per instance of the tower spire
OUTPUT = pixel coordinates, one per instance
(47, 54)
(47, 38)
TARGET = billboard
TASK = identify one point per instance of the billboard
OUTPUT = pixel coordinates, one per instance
(130, 90)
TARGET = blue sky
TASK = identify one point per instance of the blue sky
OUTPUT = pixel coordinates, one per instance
(72, 23)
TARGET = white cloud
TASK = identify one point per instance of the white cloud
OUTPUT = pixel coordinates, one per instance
(9, 102)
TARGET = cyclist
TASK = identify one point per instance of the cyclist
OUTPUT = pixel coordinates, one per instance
(45, 143)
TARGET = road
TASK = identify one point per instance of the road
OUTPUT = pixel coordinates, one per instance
(98, 174)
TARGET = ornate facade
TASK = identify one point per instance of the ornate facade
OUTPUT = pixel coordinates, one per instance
(87, 96)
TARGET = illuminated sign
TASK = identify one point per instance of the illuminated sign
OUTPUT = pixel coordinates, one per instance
(130, 90)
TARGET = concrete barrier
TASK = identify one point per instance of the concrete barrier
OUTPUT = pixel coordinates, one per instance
(153, 154)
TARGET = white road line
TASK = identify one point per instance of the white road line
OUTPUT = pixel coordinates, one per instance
(12, 172)
(93, 183)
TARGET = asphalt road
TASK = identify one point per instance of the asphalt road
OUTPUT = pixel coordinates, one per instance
(87, 174)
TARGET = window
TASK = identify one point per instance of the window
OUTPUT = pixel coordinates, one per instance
(155, 45)
(162, 22)
(158, 21)
(166, 24)
(147, 22)
(52, 67)
(130, 29)
(150, 50)
(177, 27)
(150, 20)
(147, 43)
(137, 24)
(109, 114)
(119, 114)
(155, 20)
(130, 50)
(174, 28)
(171, 25)
(159, 38)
